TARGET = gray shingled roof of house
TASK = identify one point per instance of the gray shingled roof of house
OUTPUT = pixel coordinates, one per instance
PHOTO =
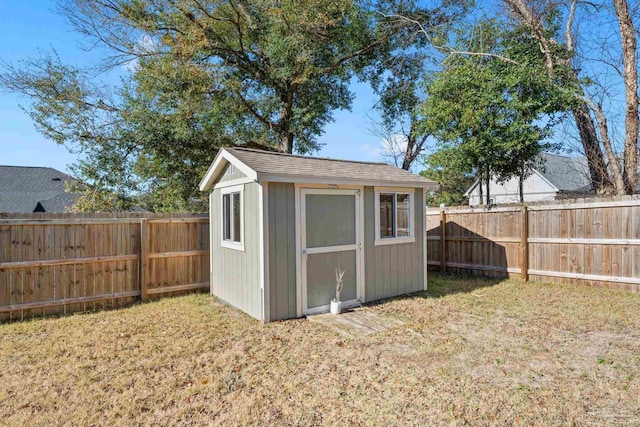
(22, 188)
(280, 164)
(568, 174)
(58, 203)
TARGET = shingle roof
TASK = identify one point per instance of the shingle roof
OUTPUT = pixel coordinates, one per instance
(57, 203)
(280, 164)
(22, 188)
(566, 173)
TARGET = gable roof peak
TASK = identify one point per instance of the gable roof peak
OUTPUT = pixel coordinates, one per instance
(261, 165)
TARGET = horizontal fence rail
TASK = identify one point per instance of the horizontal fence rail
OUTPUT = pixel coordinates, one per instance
(64, 263)
(593, 242)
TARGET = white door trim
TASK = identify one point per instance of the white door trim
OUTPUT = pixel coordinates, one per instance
(327, 249)
(301, 276)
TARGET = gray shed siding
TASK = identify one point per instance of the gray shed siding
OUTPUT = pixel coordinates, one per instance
(224, 177)
(390, 270)
(395, 269)
(282, 250)
(235, 275)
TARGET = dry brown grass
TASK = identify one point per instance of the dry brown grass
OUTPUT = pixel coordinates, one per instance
(471, 352)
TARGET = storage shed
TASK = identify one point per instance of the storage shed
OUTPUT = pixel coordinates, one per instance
(281, 224)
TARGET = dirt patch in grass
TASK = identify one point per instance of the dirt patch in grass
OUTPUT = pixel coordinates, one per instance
(470, 352)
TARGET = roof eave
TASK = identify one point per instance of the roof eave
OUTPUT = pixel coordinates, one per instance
(473, 186)
(305, 179)
(545, 179)
(217, 166)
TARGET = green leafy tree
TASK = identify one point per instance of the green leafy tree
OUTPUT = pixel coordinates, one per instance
(450, 171)
(398, 77)
(204, 74)
(491, 108)
(285, 65)
(585, 58)
(68, 108)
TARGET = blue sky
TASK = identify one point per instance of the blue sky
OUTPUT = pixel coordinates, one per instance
(33, 25)
(28, 26)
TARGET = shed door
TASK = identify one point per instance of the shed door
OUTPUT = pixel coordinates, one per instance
(330, 239)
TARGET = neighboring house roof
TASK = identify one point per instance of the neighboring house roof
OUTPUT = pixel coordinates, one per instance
(272, 166)
(26, 189)
(567, 174)
(58, 203)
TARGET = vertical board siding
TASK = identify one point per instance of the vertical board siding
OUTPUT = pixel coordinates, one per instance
(390, 270)
(395, 269)
(41, 265)
(591, 242)
(235, 275)
(282, 250)
(224, 177)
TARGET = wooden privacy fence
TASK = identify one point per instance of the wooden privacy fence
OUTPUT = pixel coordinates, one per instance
(52, 264)
(64, 263)
(595, 242)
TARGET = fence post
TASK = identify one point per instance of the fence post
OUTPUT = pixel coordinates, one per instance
(143, 258)
(443, 240)
(524, 243)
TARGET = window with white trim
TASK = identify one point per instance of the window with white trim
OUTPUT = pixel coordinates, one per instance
(394, 217)
(232, 222)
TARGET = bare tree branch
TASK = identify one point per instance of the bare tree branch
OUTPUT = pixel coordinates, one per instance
(444, 48)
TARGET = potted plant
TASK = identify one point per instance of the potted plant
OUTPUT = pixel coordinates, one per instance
(336, 304)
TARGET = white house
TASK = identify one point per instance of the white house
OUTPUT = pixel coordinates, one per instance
(559, 177)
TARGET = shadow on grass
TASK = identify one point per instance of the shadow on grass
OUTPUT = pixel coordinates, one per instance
(443, 284)
(98, 308)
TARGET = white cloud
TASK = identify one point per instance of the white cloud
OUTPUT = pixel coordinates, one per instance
(374, 153)
(395, 144)
(145, 45)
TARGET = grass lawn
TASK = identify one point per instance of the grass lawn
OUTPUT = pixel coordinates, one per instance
(471, 352)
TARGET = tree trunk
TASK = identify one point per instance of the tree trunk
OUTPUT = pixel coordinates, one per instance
(488, 181)
(408, 154)
(591, 144)
(613, 166)
(480, 182)
(285, 142)
(285, 137)
(415, 145)
(528, 16)
(630, 62)
(521, 186)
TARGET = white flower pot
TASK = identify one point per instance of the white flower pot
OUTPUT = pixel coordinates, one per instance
(336, 307)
